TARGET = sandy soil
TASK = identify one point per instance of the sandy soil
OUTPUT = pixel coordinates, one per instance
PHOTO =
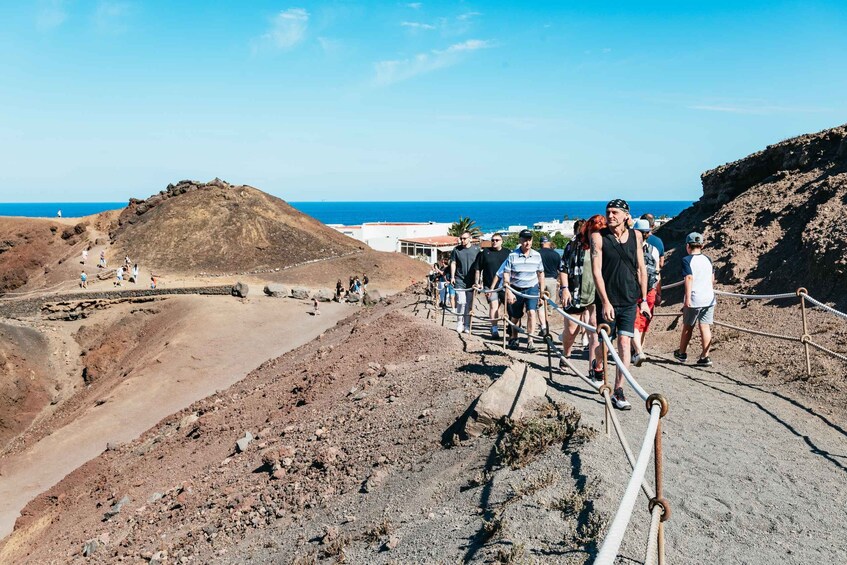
(221, 341)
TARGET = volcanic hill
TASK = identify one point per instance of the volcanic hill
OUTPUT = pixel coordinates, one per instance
(217, 227)
(774, 220)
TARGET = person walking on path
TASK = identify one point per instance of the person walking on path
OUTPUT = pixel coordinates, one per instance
(316, 307)
(135, 273)
(463, 278)
(119, 276)
(551, 261)
(84, 255)
(698, 307)
(523, 271)
(365, 281)
(488, 263)
(617, 262)
(102, 263)
(577, 289)
(83, 280)
(642, 320)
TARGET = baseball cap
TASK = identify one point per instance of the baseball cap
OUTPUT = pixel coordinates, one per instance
(545, 239)
(525, 234)
(641, 225)
(694, 238)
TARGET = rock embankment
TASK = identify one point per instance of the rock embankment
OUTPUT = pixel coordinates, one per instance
(774, 220)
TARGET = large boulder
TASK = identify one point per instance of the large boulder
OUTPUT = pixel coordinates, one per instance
(507, 396)
(352, 297)
(371, 297)
(300, 293)
(276, 290)
(323, 295)
(240, 290)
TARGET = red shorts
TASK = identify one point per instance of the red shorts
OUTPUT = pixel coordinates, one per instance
(642, 323)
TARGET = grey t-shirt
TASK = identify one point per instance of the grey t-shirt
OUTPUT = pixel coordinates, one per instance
(465, 260)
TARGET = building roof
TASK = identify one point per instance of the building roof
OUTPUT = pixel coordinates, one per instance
(433, 240)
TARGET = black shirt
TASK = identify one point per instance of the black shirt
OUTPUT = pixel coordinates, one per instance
(551, 261)
(620, 268)
(489, 262)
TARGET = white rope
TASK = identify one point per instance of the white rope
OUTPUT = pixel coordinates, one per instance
(629, 378)
(653, 537)
(614, 537)
(825, 350)
(478, 289)
(567, 316)
(672, 285)
(819, 304)
(757, 296)
(756, 332)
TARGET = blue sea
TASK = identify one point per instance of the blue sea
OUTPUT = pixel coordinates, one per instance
(489, 216)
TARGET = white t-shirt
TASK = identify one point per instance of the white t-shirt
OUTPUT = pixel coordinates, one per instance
(700, 267)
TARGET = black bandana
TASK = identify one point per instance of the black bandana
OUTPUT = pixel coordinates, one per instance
(618, 203)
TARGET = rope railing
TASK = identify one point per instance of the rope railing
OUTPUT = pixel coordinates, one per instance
(805, 339)
(657, 406)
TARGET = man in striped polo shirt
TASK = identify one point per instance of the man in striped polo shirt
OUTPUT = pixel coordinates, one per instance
(523, 270)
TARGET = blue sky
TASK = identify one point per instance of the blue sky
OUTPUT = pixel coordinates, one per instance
(103, 100)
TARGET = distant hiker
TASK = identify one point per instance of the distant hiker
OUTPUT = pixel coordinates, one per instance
(134, 278)
(642, 320)
(127, 262)
(441, 279)
(339, 290)
(153, 282)
(102, 263)
(59, 214)
(617, 262)
(365, 281)
(523, 271)
(551, 260)
(698, 307)
(119, 276)
(578, 291)
(463, 278)
(84, 256)
(83, 280)
(316, 307)
(488, 263)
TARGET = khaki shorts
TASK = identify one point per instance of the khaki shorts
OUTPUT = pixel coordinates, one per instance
(552, 287)
(694, 316)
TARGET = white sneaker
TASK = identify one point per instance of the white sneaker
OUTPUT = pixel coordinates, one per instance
(584, 340)
(638, 359)
(467, 329)
(460, 328)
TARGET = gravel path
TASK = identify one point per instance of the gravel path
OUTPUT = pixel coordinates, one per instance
(753, 475)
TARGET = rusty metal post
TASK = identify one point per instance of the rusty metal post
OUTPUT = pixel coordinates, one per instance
(547, 338)
(605, 356)
(659, 499)
(801, 292)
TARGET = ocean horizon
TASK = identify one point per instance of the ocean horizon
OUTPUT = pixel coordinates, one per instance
(489, 216)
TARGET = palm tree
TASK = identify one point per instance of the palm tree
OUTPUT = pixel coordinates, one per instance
(464, 225)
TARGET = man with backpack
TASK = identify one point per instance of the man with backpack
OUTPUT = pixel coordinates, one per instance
(652, 261)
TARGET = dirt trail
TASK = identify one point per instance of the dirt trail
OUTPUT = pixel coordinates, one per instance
(753, 472)
(229, 338)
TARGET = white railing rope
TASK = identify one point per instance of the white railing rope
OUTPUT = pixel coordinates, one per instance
(614, 537)
(622, 368)
(823, 306)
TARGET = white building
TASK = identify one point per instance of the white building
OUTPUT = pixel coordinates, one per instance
(385, 236)
(555, 226)
(429, 249)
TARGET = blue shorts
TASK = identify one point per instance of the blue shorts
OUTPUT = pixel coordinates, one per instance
(516, 310)
(624, 322)
(450, 290)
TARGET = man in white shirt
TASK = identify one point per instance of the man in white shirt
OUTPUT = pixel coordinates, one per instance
(523, 271)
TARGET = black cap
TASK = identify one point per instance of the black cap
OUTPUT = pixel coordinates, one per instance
(525, 234)
(618, 203)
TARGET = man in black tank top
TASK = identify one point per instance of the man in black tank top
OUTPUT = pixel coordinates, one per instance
(617, 262)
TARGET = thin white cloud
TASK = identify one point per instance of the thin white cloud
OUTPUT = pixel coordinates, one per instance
(50, 14)
(414, 5)
(417, 25)
(390, 72)
(330, 46)
(111, 17)
(469, 15)
(288, 28)
(760, 110)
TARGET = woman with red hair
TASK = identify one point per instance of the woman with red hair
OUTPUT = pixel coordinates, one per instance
(577, 289)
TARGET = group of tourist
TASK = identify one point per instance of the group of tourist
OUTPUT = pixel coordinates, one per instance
(609, 273)
(355, 286)
(128, 268)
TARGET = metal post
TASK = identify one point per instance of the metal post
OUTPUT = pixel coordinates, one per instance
(659, 499)
(605, 356)
(801, 292)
